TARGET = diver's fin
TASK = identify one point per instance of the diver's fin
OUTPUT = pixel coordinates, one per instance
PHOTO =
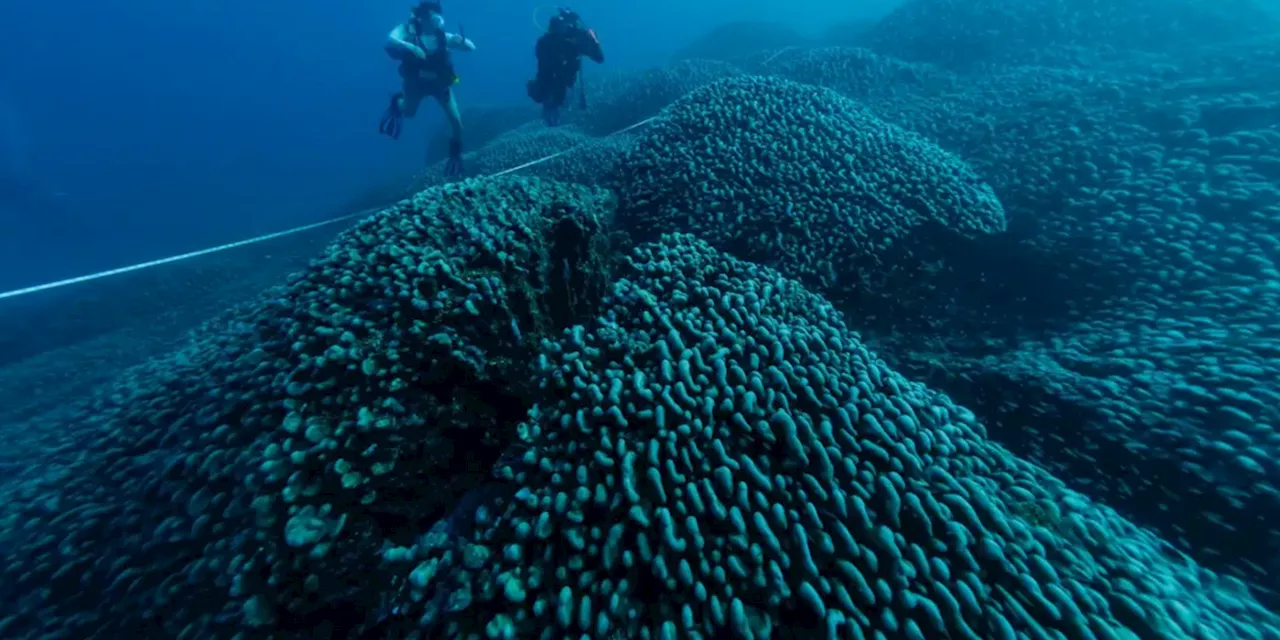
(392, 119)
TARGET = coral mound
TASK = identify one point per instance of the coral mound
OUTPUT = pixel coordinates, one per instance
(794, 175)
(617, 100)
(718, 456)
(240, 483)
(978, 32)
(561, 153)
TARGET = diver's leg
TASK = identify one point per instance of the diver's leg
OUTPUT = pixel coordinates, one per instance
(453, 166)
(537, 90)
(411, 98)
(554, 104)
(412, 91)
(450, 106)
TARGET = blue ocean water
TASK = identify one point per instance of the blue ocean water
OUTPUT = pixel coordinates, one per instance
(919, 319)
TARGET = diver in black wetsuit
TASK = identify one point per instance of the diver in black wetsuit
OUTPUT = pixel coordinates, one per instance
(559, 54)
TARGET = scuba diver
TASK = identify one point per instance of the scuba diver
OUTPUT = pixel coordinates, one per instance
(422, 46)
(559, 54)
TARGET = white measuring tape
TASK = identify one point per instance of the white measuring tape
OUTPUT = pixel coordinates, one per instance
(774, 56)
(194, 254)
(271, 236)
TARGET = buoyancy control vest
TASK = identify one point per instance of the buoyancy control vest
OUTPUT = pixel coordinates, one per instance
(438, 62)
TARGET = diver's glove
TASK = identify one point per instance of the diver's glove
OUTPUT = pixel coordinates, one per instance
(453, 166)
(551, 115)
(392, 119)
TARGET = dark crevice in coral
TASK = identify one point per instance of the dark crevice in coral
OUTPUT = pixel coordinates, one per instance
(459, 459)
(579, 270)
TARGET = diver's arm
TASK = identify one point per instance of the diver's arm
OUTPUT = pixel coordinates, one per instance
(589, 45)
(399, 46)
(458, 41)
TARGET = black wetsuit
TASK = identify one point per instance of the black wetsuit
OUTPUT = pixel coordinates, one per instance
(559, 54)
